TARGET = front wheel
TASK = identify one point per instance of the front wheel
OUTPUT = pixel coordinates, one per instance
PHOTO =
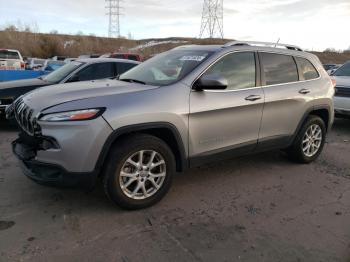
(139, 171)
(310, 141)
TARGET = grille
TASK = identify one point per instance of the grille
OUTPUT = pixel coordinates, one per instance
(25, 119)
(342, 91)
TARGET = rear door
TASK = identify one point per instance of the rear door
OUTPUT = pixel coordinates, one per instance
(228, 119)
(287, 98)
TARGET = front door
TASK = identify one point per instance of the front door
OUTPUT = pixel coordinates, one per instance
(221, 121)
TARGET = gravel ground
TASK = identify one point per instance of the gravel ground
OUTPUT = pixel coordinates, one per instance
(256, 208)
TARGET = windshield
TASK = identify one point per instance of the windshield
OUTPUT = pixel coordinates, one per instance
(343, 70)
(167, 68)
(62, 72)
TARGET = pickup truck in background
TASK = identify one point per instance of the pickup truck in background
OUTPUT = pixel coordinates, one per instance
(11, 60)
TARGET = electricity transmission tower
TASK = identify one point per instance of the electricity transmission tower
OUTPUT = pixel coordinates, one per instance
(212, 19)
(113, 11)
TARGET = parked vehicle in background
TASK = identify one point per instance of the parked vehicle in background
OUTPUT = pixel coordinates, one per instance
(35, 63)
(342, 90)
(67, 60)
(333, 69)
(52, 65)
(11, 60)
(182, 108)
(80, 70)
(58, 58)
(89, 56)
(128, 56)
(328, 66)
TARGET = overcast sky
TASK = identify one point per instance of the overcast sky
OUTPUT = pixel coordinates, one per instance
(312, 24)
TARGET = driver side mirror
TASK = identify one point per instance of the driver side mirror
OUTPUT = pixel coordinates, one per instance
(210, 82)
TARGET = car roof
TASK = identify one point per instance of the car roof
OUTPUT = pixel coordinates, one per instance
(9, 50)
(121, 53)
(102, 60)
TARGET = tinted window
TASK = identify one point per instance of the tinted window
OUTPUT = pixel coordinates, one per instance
(237, 68)
(4, 54)
(118, 56)
(279, 69)
(343, 70)
(132, 57)
(123, 67)
(97, 71)
(307, 70)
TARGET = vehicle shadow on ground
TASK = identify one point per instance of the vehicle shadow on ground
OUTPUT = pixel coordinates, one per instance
(341, 124)
(6, 125)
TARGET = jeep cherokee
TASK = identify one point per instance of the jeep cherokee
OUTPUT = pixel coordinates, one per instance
(180, 109)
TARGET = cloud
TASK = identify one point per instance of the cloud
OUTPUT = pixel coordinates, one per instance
(310, 23)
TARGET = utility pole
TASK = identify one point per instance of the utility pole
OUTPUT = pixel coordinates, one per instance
(212, 19)
(113, 11)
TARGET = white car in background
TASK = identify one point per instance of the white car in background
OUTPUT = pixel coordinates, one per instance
(11, 60)
(342, 92)
(35, 63)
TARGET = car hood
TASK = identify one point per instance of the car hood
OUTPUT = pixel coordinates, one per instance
(49, 96)
(22, 83)
(342, 80)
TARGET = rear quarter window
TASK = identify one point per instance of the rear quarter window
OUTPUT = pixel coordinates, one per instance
(306, 69)
(278, 68)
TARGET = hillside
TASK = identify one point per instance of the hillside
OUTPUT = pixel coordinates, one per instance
(49, 45)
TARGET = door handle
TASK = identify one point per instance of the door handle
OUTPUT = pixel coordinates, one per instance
(253, 98)
(304, 91)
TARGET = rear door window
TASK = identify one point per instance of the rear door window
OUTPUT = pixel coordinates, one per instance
(123, 67)
(97, 71)
(306, 69)
(278, 69)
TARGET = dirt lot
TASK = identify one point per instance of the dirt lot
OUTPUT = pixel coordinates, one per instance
(257, 208)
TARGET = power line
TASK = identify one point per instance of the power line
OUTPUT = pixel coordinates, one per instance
(212, 19)
(113, 11)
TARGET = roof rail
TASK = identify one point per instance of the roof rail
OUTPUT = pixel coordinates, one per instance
(254, 43)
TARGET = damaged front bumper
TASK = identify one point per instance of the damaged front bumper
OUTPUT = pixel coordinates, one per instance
(44, 173)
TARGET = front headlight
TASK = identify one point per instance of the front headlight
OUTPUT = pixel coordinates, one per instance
(78, 115)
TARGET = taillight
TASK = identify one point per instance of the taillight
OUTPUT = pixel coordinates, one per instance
(334, 82)
(23, 65)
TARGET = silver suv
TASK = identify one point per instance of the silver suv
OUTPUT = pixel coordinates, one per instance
(180, 109)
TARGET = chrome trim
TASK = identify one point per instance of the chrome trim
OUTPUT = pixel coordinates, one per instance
(341, 86)
(266, 44)
(24, 118)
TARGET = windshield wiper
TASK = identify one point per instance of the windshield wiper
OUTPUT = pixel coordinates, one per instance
(132, 81)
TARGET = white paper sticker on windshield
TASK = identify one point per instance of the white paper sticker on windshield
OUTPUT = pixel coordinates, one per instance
(192, 58)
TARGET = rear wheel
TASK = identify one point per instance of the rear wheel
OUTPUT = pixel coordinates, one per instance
(310, 140)
(139, 171)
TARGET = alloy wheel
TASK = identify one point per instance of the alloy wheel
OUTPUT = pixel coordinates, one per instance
(142, 174)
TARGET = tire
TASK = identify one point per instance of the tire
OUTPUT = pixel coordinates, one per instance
(299, 151)
(123, 167)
